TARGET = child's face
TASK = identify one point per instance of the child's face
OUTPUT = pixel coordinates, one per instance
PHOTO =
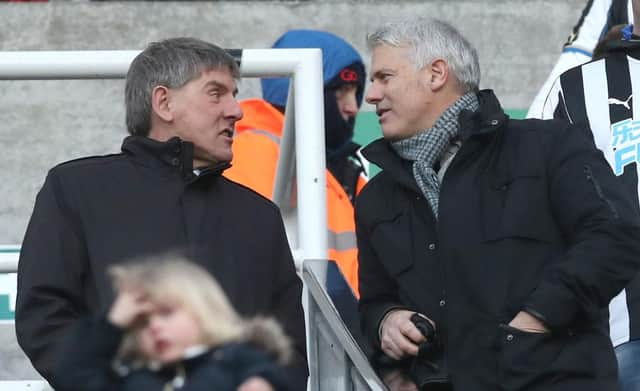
(170, 330)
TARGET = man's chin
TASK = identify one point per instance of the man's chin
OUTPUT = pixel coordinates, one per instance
(391, 135)
(208, 159)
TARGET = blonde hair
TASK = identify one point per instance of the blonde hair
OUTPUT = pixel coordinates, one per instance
(170, 279)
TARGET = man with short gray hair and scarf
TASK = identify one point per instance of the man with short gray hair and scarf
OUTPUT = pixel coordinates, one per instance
(489, 248)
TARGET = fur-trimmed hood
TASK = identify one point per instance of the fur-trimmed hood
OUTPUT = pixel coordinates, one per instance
(267, 334)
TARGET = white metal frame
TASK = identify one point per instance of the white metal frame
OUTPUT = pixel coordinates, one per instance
(336, 362)
(304, 66)
(9, 258)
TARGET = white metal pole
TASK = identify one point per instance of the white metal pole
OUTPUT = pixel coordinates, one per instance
(310, 156)
(306, 67)
(75, 64)
(105, 64)
(286, 157)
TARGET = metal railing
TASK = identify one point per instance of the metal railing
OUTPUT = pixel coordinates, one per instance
(336, 362)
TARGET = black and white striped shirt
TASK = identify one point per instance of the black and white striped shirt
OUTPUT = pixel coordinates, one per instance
(597, 18)
(601, 95)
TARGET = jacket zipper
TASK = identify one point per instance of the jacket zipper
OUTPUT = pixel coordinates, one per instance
(591, 178)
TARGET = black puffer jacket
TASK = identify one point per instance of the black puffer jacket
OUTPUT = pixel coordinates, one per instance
(530, 218)
(93, 212)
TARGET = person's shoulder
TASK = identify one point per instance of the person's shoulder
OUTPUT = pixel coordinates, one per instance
(381, 154)
(90, 164)
(575, 75)
(541, 137)
(535, 127)
(379, 181)
(376, 193)
(244, 193)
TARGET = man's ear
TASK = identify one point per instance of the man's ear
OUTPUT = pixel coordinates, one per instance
(160, 103)
(439, 74)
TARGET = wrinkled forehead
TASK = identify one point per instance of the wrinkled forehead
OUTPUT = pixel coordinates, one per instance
(386, 56)
(217, 76)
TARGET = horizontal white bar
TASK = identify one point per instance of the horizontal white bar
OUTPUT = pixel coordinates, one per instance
(113, 64)
(53, 65)
(276, 62)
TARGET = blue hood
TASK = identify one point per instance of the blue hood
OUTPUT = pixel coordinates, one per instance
(336, 55)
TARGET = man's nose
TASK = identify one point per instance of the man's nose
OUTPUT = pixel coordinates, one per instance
(233, 110)
(373, 95)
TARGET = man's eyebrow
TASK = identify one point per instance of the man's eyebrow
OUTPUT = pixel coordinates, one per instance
(215, 84)
(377, 74)
(220, 86)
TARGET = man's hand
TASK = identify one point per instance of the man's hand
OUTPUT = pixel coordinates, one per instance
(399, 337)
(529, 323)
(255, 383)
(129, 307)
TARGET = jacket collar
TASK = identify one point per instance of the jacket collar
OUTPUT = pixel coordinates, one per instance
(630, 47)
(173, 155)
(489, 118)
(382, 154)
(482, 123)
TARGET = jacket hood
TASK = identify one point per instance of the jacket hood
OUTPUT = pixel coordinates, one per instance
(267, 334)
(336, 55)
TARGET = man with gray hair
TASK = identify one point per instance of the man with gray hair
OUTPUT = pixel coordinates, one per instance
(489, 248)
(163, 193)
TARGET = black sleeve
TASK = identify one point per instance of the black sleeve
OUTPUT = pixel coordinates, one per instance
(378, 290)
(600, 221)
(50, 273)
(287, 306)
(87, 353)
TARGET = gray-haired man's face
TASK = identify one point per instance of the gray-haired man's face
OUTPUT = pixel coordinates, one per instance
(399, 92)
(204, 112)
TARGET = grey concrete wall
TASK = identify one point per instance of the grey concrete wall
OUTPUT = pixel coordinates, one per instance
(47, 122)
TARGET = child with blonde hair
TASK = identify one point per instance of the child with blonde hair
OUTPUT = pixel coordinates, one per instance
(171, 327)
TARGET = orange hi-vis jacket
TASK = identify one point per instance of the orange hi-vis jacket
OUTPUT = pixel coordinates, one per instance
(255, 159)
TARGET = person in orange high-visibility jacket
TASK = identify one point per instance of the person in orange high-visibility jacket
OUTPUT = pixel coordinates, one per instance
(256, 145)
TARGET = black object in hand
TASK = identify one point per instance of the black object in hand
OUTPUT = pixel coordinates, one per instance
(428, 368)
(425, 327)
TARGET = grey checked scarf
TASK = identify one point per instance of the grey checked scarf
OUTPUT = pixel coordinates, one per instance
(425, 148)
